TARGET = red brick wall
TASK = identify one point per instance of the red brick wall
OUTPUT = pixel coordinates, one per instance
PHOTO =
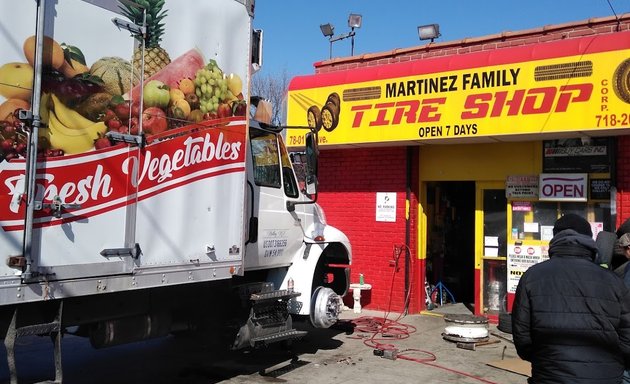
(349, 180)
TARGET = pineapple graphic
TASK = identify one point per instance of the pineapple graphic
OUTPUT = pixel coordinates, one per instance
(155, 57)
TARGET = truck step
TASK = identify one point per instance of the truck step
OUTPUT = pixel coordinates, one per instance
(38, 329)
(285, 335)
(274, 295)
(14, 332)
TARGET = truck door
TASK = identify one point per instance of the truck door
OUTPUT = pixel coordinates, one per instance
(272, 183)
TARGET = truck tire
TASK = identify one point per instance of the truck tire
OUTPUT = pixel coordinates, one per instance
(326, 306)
(505, 322)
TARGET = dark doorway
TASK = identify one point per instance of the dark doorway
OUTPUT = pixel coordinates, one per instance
(451, 239)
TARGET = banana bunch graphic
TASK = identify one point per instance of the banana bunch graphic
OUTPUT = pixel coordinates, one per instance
(44, 111)
(69, 130)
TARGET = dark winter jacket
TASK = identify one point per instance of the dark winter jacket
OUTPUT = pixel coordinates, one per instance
(571, 317)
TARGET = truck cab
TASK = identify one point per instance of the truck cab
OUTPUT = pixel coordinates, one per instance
(288, 236)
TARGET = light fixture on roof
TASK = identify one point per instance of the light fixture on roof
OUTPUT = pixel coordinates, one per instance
(328, 30)
(354, 20)
(429, 32)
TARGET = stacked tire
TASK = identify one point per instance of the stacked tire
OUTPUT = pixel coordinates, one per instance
(505, 322)
(327, 117)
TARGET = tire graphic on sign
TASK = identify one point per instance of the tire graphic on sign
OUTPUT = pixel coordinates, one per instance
(621, 81)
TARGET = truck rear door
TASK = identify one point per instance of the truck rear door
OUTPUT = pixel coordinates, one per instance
(80, 198)
(167, 195)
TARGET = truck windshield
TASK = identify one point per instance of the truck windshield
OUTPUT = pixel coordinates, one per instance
(272, 166)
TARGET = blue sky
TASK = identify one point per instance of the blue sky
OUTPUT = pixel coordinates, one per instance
(293, 40)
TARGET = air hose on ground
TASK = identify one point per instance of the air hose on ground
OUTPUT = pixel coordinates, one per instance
(384, 331)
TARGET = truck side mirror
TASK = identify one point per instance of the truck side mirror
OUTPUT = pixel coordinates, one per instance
(257, 47)
(312, 154)
(311, 184)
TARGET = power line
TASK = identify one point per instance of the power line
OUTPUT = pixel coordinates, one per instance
(614, 13)
(612, 9)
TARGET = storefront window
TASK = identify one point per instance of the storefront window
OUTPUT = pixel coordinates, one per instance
(495, 283)
(494, 222)
(534, 220)
(531, 219)
(591, 155)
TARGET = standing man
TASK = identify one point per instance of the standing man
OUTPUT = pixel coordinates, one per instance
(571, 317)
(624, 244)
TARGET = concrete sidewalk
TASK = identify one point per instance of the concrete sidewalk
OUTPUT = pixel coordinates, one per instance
(345, 353)
(424, 355)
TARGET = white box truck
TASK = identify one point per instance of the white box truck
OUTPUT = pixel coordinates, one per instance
(138, 195)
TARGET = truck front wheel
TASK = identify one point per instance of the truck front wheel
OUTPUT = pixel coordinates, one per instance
(326, 306)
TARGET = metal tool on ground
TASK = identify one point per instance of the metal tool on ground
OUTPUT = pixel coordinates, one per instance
(473, 346)
(502, 337)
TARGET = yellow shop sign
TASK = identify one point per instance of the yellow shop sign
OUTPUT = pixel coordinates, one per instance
(573, 85)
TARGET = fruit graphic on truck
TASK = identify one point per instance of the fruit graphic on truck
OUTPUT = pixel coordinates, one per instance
(133, 207)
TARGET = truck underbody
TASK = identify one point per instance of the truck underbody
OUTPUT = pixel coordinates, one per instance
(243, 312)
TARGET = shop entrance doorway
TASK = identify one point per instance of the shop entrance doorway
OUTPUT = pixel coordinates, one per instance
(451, 239)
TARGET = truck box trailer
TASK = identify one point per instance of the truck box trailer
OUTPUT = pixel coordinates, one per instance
(139, 197)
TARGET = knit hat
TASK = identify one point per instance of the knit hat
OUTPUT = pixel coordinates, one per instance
(574, 222)
(624, 240)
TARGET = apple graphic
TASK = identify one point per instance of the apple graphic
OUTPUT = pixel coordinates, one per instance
(224, 110)
(154, 121)
(156, 94)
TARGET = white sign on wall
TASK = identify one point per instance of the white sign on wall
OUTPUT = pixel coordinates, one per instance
(386, 206)
(521, 186)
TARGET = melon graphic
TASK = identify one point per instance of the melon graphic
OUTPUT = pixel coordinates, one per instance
(185, 66)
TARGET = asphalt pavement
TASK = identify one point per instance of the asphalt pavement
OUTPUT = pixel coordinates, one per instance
(370, 347)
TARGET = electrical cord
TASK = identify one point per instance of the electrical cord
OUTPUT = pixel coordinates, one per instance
(383, 329)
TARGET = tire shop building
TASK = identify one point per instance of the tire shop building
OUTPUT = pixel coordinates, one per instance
(447, 164)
